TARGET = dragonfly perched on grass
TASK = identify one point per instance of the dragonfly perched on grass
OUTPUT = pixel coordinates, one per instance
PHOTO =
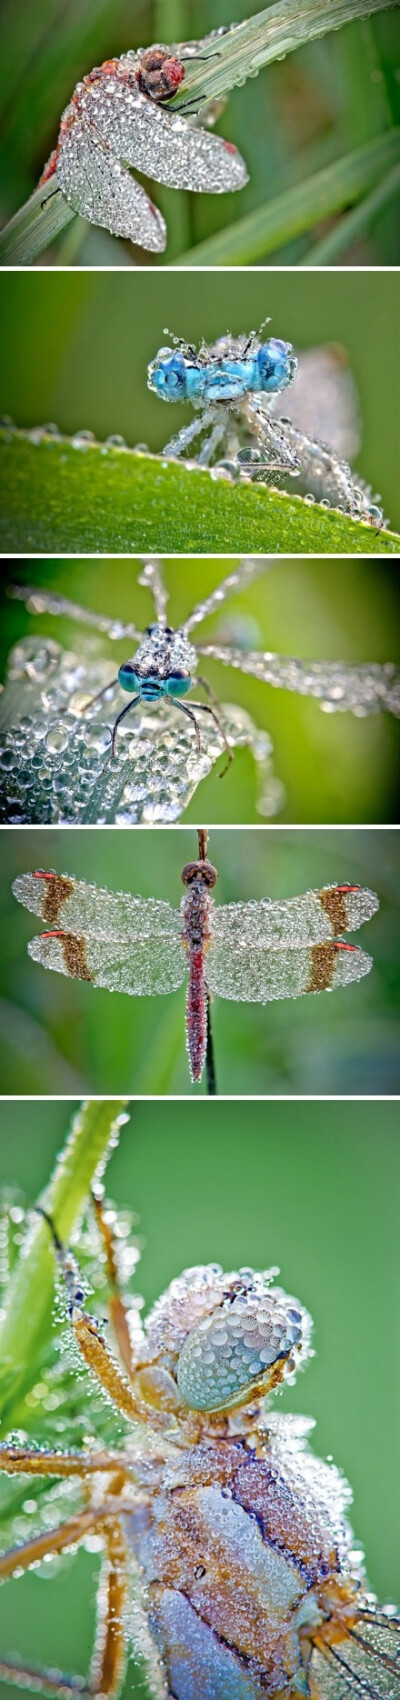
(118, 117)
(228, 1562)
(254, 952)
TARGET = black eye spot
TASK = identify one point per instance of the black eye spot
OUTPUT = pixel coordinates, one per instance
(200, 1571)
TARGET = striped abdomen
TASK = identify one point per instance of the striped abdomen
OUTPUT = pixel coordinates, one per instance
(196, 936)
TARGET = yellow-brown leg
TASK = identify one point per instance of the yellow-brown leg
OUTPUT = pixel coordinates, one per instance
(117, 1312)
(29, 1461)
(108, 1662)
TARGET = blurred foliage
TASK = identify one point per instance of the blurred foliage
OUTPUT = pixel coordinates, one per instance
(313, 1188)
(74, 348)
(297, 118)
(60, 1035)
(334, 767)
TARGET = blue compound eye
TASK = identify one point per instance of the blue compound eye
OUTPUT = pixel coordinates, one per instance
(177, 684)
(127, 678)
(168, 377)
(276, 364)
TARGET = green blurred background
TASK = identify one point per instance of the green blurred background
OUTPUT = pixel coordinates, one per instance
(60, 1035)
(74, 348)
(295, 119)
(334, 767)
(311, 1187)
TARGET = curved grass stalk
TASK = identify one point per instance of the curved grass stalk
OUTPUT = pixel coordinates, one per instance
(29, 1298)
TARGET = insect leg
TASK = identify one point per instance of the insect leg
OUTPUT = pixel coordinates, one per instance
(117, 1312)
(211, 443)
(121, 716)
(53, 1540)
(90, 1341)
(178, 444)
(102, 693)
(108, 1663)
(210, 708)
(28, 1461)
(186, 710)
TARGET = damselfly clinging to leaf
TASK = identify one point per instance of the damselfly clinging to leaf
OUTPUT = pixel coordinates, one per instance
(254, 952)
(228, 1563)
(165, 666)
(233, 385)
(117, 118)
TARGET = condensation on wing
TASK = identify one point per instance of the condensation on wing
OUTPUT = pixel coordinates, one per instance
(257, 974)
(140, 968)
(322, 399)
(94, 911)
(102, 190)
(364, 1666)
(160, 143)
(309, 919)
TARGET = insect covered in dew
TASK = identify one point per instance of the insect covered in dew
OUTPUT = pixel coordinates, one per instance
(228, 1562)
(234, 385)
(253, 952)
(117, 118)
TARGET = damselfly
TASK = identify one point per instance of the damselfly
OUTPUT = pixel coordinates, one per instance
(232, 385)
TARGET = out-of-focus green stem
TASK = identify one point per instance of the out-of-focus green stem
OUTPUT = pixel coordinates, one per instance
(26, 1317)
(354, 223)
(37, 223)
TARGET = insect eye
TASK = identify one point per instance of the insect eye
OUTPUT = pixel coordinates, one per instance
(178, 683)
(238, 1346)
(167, 375)
(276, 364)
(127, 678)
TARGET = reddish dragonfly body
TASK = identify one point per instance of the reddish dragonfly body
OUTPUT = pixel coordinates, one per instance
(253, 952)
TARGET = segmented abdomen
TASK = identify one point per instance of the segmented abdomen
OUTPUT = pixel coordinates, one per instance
(196, 1013)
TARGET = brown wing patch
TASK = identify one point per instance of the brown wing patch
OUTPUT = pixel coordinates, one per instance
(55, 891)
(333, 901)
(322, 967)
(74, 953)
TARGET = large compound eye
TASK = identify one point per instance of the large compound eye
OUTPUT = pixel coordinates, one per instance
(276, 364)
(178, 683)
(127, 678)
(167, 375)
(235, 1348)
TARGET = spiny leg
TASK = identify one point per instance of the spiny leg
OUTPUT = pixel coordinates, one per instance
(117, 1312)
(211, 443)
(185, 710)
(108, 1661)
(32, 1461)
(120, 716)
(209, 708)
(66, 1534)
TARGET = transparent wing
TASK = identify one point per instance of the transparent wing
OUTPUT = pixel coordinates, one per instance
(366, 1666)
(245, 572)
(161, 144)
(142, 967)
(39, 601)
(98, 187)
(364, 689)
(322, 399)
(97, 913)
(310, 919)
(255, 974)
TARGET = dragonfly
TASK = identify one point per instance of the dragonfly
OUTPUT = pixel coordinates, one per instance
(212, 1512)
(253, 952)
(233, 385)
(165, 666)
(117, 118)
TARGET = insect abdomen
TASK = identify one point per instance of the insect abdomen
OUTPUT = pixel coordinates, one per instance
(196, 1013)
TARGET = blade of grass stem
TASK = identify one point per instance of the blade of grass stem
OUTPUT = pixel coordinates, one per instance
(354, 223)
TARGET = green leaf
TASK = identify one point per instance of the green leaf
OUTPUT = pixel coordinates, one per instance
(279, 221)
(28, 1307)
(70, 496)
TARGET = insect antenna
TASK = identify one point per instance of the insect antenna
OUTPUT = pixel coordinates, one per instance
(179, 342)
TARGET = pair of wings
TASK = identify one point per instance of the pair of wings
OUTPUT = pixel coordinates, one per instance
(259, 951)
(117, 123)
